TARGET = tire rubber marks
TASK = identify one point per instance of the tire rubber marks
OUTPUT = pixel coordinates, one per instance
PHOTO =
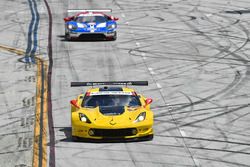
(41, 121)
(152, 73)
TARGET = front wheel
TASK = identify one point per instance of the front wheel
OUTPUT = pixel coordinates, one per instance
(114, 37)
(147, 138)
(68, 37)
(74, 138)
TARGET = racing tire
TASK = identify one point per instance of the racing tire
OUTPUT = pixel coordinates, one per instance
(75, 139)
(147, 138)
(112, 38)
(68, 37)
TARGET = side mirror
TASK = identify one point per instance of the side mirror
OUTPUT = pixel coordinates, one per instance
(74, 103)
(113, 18)
(148, 101)
(66, 19)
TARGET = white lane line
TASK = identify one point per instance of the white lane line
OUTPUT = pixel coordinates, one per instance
(138, 44)
(151, 71)
(183, 133)
(197, 162)
(158, 85)
(170, 108)
(143, 56)
(132, 33)
(123, 15)
(209, 15)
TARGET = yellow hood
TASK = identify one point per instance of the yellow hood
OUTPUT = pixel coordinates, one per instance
(108, 118)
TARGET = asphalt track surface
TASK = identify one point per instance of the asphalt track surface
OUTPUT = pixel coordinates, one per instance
(194, 53)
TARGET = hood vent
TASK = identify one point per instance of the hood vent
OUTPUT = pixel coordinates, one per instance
(114, 110)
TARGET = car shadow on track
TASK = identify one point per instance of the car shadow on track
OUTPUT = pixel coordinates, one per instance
(67, 132)
(85, 38)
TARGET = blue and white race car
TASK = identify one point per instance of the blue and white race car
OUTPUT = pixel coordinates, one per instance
(90, 22)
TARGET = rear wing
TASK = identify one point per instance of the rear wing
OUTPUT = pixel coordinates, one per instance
(126, 83)
(88, 10)
(75, 11)
(72, 12)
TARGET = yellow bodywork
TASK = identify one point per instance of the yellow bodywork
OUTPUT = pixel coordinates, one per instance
(111, 122)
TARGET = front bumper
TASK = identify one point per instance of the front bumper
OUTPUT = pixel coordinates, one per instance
(78, 34)
(89, 131)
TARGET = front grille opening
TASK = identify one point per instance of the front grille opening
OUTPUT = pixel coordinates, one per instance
(113, 132)
(92, 37)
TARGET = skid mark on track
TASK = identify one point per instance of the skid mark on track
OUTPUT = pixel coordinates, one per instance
(226, 37)
(152, 73)
(189, 64)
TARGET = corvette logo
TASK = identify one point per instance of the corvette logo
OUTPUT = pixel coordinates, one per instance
(112, 122)
(111, 112)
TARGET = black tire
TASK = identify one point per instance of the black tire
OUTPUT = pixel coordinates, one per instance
(150, 137)
(114, 37)
(67, 37)
(74, 138)
(147, 138)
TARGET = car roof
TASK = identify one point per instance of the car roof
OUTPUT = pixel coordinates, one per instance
(111, 89)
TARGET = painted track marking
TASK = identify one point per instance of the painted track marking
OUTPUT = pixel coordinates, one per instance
(41, 115)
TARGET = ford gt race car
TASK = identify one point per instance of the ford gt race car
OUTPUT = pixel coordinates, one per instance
(90, 22)
(111, 113)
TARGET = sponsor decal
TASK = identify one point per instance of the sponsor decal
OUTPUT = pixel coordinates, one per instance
(110, 93)
(91, 14)
(80, 25)
(101, 25)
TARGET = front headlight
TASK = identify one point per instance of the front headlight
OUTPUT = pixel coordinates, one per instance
(141, 117)
(112, 26)
(83, 118)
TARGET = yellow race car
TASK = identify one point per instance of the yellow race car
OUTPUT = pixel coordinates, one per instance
(111, 113)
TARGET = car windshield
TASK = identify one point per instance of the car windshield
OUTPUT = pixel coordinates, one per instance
(111, 100)
(88, 19)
